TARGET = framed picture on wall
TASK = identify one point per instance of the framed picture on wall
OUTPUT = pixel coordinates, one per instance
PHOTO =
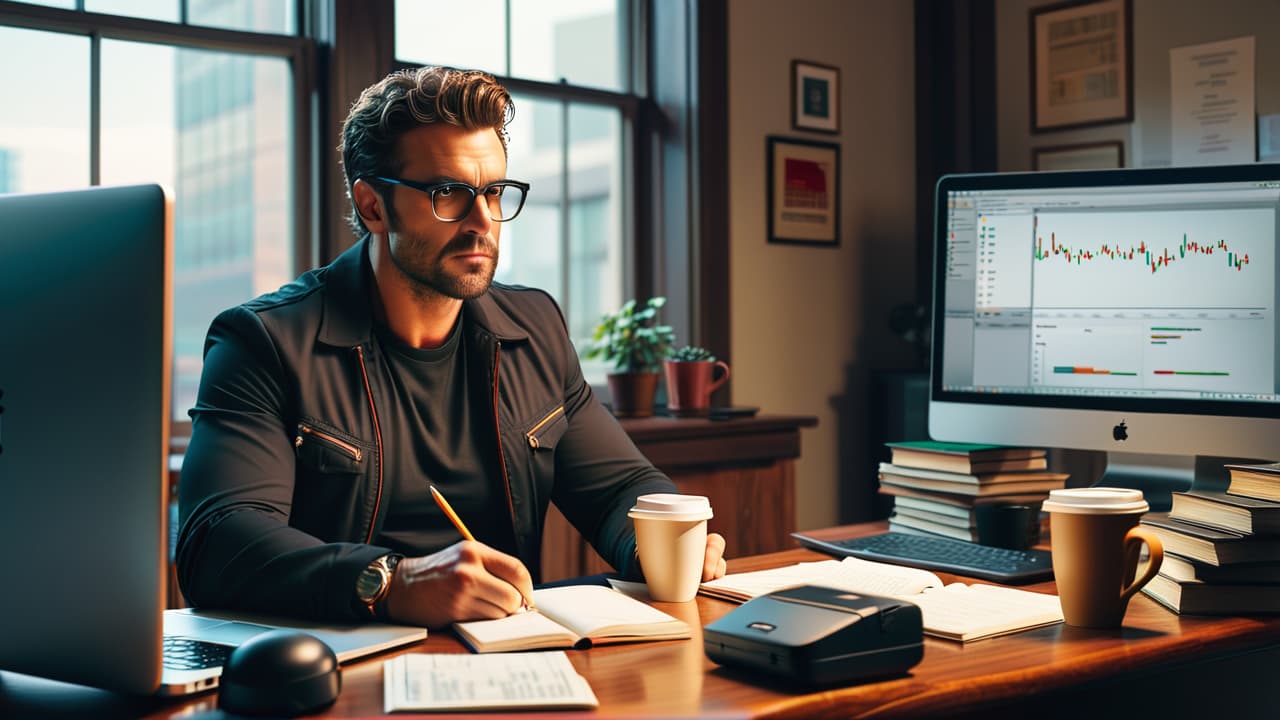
(1081, 64)
(815, 97)
(803, 179)
(1083, 156)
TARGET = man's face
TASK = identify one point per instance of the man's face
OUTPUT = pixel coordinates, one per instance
(454, 259)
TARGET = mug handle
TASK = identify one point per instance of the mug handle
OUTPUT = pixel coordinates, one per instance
(1132, 539)
(717, 383)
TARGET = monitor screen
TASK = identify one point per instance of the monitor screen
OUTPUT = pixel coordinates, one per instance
(1118, 310)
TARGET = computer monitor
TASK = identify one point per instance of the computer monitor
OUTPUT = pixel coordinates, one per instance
(1128, 311)
(84, 370)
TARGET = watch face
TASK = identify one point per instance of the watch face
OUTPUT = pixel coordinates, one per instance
(370, 582)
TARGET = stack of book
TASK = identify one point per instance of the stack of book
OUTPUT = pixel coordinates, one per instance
(936, 486)
(1222, 549)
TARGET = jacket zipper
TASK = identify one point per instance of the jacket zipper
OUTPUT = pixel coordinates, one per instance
(497, 429)
(356, 453)
(532, 434)
(377, 434)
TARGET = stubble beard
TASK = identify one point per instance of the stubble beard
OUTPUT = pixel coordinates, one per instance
(429, 277)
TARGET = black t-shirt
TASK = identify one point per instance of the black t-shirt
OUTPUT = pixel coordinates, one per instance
(448, 423)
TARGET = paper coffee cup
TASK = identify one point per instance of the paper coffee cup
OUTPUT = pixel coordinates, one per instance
(1096, 501)
(671, 538)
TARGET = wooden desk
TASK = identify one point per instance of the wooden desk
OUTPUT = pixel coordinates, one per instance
(1183, 666)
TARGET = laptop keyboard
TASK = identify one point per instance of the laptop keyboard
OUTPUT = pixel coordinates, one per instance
(945, 554)
(184, 653)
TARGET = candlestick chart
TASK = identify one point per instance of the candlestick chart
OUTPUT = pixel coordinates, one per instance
(1173, 259)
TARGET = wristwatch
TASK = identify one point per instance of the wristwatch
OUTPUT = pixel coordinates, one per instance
(375, 581)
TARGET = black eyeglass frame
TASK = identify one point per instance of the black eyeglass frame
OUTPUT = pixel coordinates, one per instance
(432, 188)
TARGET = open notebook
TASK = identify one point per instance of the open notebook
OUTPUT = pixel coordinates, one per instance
(955, 612)
(573, 616)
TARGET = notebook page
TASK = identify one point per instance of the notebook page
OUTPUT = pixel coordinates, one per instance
(586, 609)
(524, 625)
(430, 682)
(850, 574)
(969, 612)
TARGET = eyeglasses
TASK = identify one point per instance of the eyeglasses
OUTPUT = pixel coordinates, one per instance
(452, 201)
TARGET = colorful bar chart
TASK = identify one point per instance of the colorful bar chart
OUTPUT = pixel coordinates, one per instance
(1213, 373)
(1082, 370)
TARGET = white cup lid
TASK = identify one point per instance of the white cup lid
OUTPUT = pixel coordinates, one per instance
(671, 506)
(1096, 501)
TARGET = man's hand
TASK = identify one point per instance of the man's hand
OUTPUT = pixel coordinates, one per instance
(465, 581)
(713, 565)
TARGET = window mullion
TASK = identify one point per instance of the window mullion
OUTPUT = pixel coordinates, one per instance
(507, 39)
(95, 108)
(565, 200)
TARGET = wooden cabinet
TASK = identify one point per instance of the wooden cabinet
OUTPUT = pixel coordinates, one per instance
(746, 467)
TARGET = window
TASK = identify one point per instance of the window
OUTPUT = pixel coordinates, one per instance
(569, 66)
(219, 127)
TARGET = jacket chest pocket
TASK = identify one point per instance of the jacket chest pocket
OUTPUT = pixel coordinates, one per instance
(547, 431)
(541, 438)
(325, 451)
(331, 465)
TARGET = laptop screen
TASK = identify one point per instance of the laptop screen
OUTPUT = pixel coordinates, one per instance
(84, 369)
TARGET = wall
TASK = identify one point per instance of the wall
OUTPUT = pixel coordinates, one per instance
(808, 322)
(1158, 26)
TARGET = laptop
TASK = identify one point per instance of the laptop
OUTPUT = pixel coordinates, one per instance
(85, 353)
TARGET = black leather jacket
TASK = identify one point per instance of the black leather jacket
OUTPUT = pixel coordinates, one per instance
(282, 487)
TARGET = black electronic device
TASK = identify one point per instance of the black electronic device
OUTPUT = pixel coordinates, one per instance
(812, 635)
(732, 412)
(1003, 565)
(280, 672)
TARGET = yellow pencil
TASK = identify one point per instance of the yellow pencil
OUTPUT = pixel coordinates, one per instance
(525, 603)
(449, 513)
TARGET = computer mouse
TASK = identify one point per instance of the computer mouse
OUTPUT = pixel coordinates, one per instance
(280, 672)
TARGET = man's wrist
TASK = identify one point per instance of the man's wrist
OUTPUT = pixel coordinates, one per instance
(374, 583)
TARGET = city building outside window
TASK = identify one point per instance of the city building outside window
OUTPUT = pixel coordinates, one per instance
(114, 101)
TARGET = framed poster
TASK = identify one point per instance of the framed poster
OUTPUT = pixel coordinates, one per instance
(1084, 156)
(803, 180)
(815, 97)
(1081, 64)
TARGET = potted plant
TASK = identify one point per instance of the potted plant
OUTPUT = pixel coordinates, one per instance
(691, 378)
(636, 344)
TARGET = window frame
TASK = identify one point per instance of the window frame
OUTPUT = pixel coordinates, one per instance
(675, 146)
(676, 209)
(297, 49)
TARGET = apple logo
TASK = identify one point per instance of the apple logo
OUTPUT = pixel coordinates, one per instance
(1120, 432)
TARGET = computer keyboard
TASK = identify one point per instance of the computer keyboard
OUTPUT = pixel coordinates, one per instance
(937, 553)
(184, 653)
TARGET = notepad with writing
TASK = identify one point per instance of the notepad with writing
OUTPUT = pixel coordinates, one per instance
(955, 612)
(419, 682)
(573, 616)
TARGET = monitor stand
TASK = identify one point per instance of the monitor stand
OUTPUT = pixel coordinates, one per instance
(1157, 476)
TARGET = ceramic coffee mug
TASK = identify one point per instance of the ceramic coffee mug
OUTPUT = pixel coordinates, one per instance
(1096, 542)
(690, 384)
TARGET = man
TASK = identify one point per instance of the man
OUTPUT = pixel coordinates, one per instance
(328, 408)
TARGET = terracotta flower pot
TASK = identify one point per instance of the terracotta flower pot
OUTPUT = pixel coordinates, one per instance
(632, 393)
(690, 384)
